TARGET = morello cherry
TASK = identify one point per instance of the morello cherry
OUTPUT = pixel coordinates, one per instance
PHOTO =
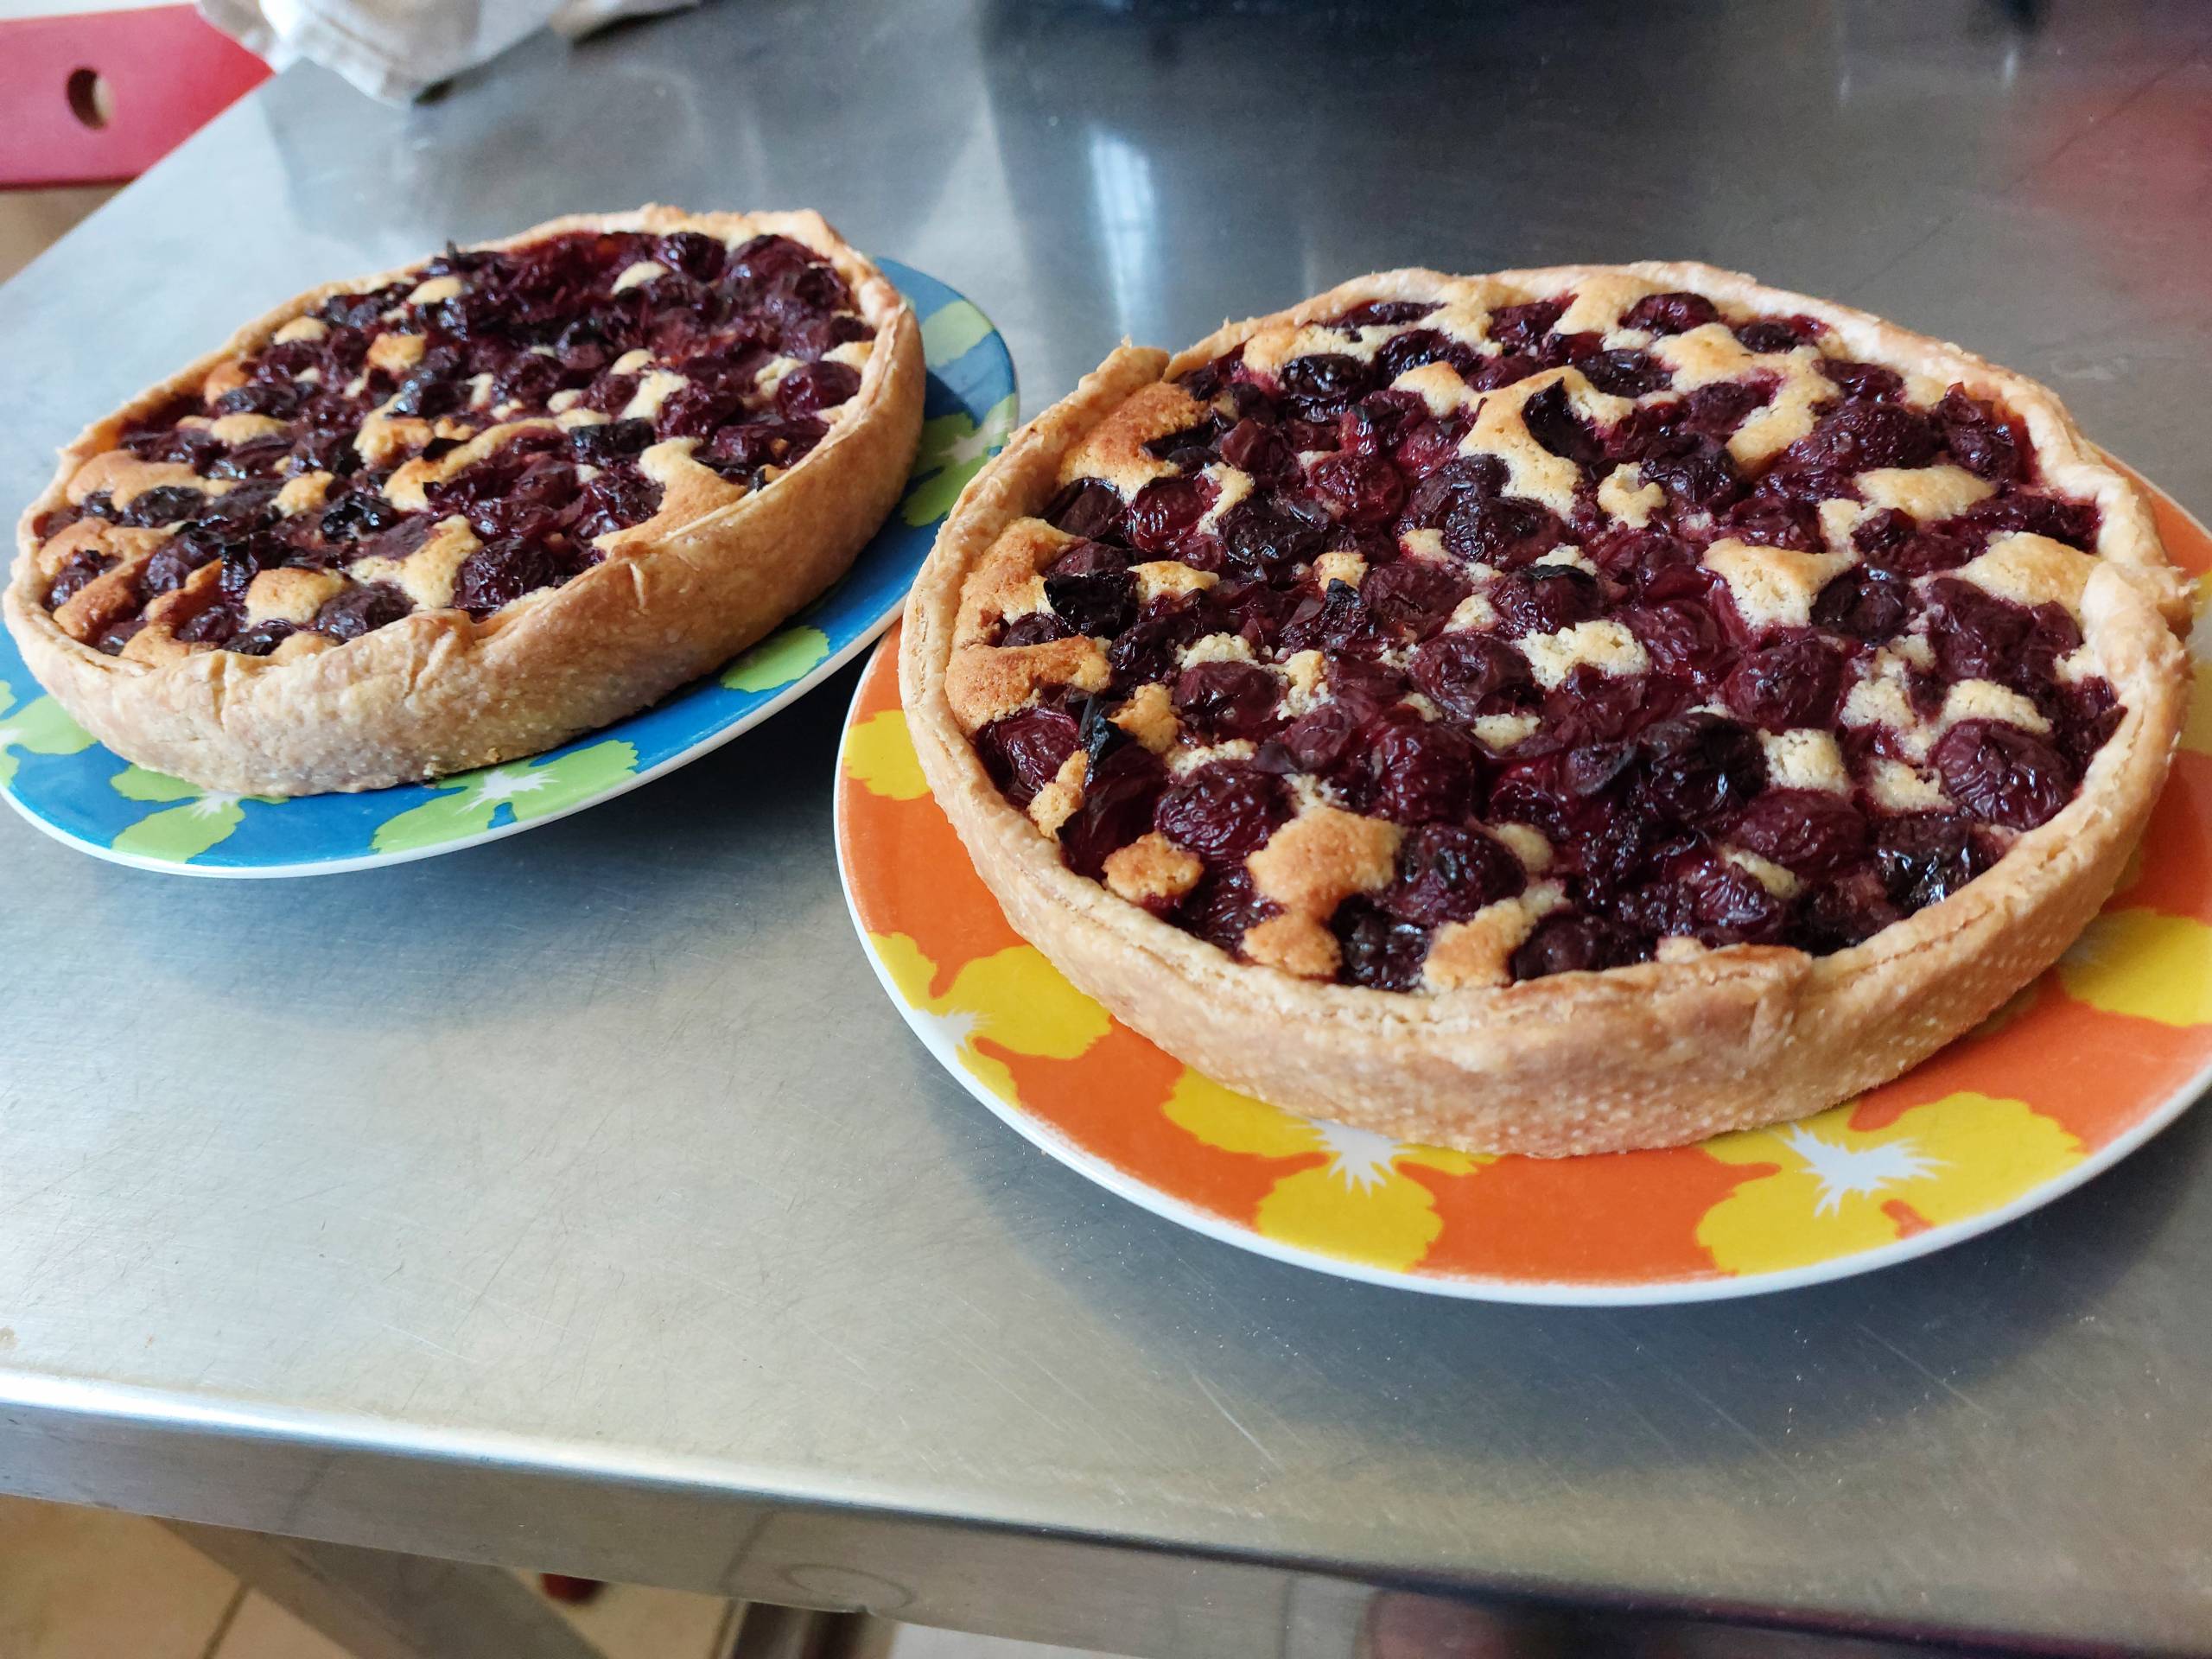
(2074, 523)
(612, 501)
(1222, 908)
(1626, 373)
(606, 441)
(1835, 916)
(813, 387)
(1378, 423)
(1258, 611)
(2003, 774)
(362, 610)
(1681, 636)
(1553, 423)
(1978, 636)
(1269, 533)
(1865, 603)
(1383, 314)
(1089, 507)
(1023, 752)
(164, 505)
(2088, 713)
(1260, 450)
(1979, 438)
(1699, 767)
(500, 572)
(1507, 530)
(1416, 771)
(1418, 347)
(1811, 831)
(1335, 621)
(1452, 484)
(1884, 532)
(1165, 510)
(1223, 812)
(1366, 490)
(211, 627)
(1089, 587)
(1863, 382)
(1860, 436)
(1447, 872)
(1716, 410)
(1119, 794)
(698, 256)
(1795, 683)
(1038, 628)
(80, 571)
(1193, 448)
(1522, 327)
(1701, 475)
(1569, 943)
(1730, 906)
(1316, 741)
(259, 640)
(1325, 382)
(1925, 857)
(1776, 333)
(1412, 599)
(1145, 651)
(1427, 445)
(1670, 314)
(1375, 949)
(1463, 673)
(1227, 699)
(1774, 515)
(1545, 598)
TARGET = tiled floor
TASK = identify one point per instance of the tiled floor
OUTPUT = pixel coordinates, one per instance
(88, 1583)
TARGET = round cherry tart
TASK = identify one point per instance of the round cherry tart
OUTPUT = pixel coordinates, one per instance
(1554, 712)
(416, 522)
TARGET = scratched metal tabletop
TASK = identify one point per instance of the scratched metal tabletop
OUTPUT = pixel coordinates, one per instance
(579, 1201)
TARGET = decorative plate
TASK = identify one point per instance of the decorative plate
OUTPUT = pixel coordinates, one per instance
(78, 792)
(2003, 1121)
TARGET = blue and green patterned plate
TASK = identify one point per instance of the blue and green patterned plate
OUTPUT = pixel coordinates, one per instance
(55, 775)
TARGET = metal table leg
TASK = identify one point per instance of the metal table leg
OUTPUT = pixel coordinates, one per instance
(379, 1604)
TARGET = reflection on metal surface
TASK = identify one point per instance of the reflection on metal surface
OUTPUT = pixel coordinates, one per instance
(1128, 216)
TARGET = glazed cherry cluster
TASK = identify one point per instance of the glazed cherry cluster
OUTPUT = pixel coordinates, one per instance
(517, 334)
(1648, 786)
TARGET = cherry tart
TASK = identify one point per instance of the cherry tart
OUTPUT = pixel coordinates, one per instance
(421, 522)
(1554, 712)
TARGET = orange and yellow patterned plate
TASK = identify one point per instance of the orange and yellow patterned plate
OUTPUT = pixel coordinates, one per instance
(2069, 1077)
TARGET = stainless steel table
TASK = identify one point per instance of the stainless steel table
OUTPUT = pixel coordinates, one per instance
(579, 1201)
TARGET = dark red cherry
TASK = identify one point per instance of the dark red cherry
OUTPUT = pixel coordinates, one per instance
(1223, 812)
(1090, 507)
(1925, 857)
(1545, 598)
(1377, 950)
(1699, 767)
(1568, 942)
(1227, 699)
(1412, 599)
(1119, 794)
(1810, 831)
(1860, 436)
(1795, 683)
(1463, 673)
(1269, 533)
(2003, 774)
(1446, 872)
(1670, 314)
(1366, 489)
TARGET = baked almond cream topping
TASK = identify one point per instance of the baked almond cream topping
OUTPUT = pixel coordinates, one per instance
(1773, 587)
(1608, 647)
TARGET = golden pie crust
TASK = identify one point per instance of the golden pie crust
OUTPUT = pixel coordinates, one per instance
(1661, 1053)
(437, 692)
